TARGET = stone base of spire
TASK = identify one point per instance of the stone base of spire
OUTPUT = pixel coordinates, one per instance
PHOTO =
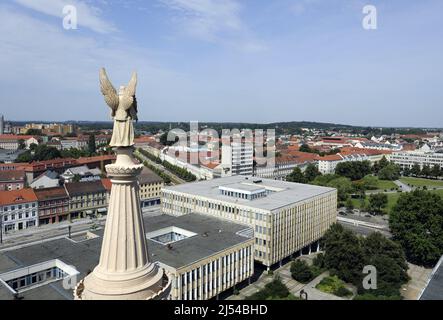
(124, 271)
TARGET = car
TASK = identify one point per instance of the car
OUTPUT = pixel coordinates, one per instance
(356, 211)
(368, 216)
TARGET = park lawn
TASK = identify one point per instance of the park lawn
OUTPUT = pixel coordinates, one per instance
(392, 200)
(421, 182)
(386, 185)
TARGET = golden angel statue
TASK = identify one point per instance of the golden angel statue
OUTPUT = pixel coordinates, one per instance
(123, 109)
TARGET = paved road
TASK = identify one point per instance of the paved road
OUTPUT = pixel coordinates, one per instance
(175, 179)
(58, 230)
(403, 186)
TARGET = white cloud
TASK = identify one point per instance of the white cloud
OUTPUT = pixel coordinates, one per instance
(49, 73)
(88, 15)
(215, 21)
(206, 18)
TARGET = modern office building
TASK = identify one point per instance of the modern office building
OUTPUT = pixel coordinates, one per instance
(286, 217)
(204, 256)
(18, 209)
(237, 158)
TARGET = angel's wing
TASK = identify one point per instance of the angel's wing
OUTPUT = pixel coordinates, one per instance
(108, 91)
(128, 98)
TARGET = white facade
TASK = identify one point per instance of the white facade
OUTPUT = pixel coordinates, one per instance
(407, 159)
(19, 216)
(286, 217)
(328, 166)
(237, 159)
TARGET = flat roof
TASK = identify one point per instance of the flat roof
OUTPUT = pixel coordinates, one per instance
(434, 288)
(286, 193)
(212, 236)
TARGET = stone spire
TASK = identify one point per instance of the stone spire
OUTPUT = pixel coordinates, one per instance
(124, 271)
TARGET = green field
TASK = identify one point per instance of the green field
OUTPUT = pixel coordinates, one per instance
(420, 182)
(386, 185)
(392, 200)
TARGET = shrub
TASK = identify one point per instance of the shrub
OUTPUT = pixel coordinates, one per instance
(301, 272)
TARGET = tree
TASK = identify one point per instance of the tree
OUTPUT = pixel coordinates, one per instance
(305, 148)
(369, 182)
(354, 170)
(416, 170)
(91, 144)
(301, 272)
(377, 202)
(416, 222)
(425, 171)
(343, 254)
(43, 152)
(349, 204)
(311, 172)
(296, 176)
(21, 144)
(390, 172)
(389, 260)
(34, 132)
(436, 171)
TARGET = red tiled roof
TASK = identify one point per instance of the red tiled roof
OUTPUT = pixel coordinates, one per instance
(17, 196)
(107, 183)
(12, 175)
(86, 160)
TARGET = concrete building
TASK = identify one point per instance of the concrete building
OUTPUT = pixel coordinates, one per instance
(237, 158)
(12, 180)
(18, 209)
(286, 217)
(86, 198)
(422, 157)
(150, 188)
(204, 256)
(53, 205)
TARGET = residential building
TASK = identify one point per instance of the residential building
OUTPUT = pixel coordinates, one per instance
(422, 157)
(86, 199)
(327, 164)
(18, 209)
(286, 217)
(13, 142)
(150, 188)
(10, 156)
(237, 158)
(12, 180)
(53, 205)
(48, 179)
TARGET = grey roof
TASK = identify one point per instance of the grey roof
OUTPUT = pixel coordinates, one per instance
(80, 188)
(148, 176)
(49, 174)
(434, 288)
(84, 256)
(220, 235)
(286, 193)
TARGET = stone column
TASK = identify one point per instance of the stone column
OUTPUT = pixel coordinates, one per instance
(124, 271)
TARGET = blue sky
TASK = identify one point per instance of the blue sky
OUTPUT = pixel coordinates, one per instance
(226, 60)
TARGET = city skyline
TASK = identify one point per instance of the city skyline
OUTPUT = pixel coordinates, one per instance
(226, 61)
